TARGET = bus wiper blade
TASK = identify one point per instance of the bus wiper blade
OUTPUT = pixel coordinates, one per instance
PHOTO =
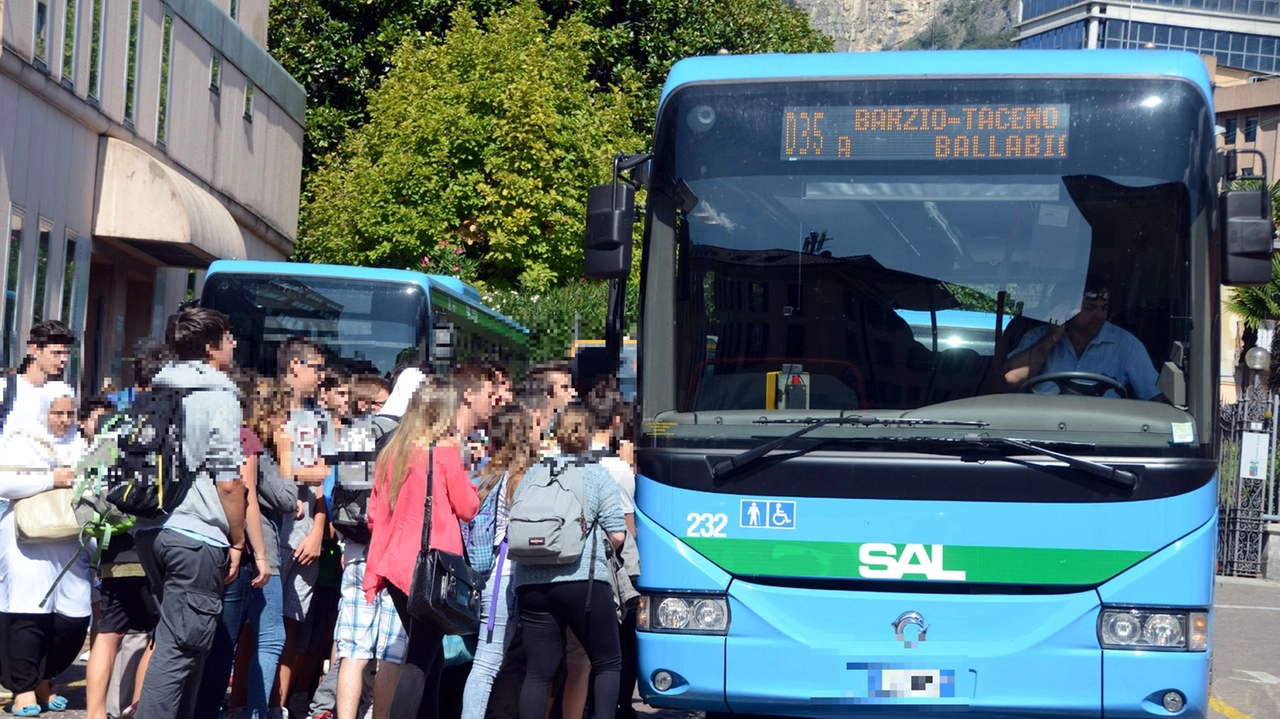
(1119, 477)
(721, 470)
(877, 421)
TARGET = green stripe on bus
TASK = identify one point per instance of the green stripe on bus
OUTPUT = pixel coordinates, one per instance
(493, 324)
(844, 560)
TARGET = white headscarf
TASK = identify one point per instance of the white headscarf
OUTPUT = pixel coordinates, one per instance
(406, 384)
(70, 446)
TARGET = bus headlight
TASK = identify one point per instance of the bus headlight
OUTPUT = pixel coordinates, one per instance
(684, 613)
(1142, 628)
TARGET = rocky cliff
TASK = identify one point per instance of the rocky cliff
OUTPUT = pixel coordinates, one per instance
(907, 24)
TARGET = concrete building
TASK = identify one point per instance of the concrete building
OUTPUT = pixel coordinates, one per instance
(139, 141)
(1242, 34)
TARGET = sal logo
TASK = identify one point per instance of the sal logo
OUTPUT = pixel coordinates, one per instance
(767, 514)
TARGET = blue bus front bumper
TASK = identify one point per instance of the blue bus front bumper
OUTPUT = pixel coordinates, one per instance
(826, 652)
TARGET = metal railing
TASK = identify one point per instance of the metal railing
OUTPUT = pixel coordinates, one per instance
(1247, 499)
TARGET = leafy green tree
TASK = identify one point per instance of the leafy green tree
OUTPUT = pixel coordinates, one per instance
(476, 156)
(339, 50)
(551, 316)
(649, 36)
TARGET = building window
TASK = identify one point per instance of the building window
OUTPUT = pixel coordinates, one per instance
(41, 55)
(1229, 137)
(131, 67)
(95, 51)
(215, 74)
(1251, 129)
(162, 114)
(69, 43)
(42, 271)
(68, 278)
(11, 285)
(248, 102)
(234, 9)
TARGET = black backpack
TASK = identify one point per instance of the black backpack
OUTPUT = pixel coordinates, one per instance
(150, 477)
(349, 500)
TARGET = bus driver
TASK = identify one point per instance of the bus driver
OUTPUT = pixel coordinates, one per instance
(1094, 346)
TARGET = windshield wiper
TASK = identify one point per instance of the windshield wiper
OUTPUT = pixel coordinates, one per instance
(734, 464)
(1119, 477)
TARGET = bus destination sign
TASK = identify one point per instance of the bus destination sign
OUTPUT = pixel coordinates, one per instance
(938, 132)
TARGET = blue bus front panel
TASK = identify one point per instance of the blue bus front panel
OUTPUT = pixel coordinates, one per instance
(814, 641)
(807, 652)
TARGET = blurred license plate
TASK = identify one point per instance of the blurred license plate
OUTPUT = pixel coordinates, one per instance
(893, 681)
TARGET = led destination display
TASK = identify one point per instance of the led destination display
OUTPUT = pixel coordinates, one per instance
(938, 132)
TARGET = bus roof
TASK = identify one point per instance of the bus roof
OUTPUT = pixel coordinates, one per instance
(451, 286)
(943, 63)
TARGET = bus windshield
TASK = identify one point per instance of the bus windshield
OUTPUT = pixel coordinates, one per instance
(368, 323)
(891, 245)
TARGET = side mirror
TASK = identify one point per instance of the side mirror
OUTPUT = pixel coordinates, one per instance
(611, 214)
(1247, 237)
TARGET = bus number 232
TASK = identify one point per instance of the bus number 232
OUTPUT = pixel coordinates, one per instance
(706, 525)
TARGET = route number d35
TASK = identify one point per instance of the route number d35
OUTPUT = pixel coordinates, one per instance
(706, 525)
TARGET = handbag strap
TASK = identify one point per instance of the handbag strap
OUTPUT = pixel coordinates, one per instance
(426, 519)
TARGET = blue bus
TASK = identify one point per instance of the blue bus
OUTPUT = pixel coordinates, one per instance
(916, 533)
(371, 318)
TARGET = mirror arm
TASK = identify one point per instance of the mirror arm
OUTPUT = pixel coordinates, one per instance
(1232, 170)
(623, 163)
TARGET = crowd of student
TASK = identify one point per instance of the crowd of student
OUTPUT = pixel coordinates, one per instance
(265, 574)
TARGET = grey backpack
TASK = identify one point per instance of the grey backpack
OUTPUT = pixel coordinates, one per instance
(548, 522)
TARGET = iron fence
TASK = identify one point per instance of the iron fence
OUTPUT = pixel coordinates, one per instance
(1246, 503)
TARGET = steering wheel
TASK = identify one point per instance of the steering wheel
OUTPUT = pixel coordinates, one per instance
(1070, 383)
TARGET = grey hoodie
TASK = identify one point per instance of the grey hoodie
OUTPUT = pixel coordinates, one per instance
(211, 438)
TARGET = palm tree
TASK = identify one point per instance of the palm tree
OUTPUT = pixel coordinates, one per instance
(1257, 304)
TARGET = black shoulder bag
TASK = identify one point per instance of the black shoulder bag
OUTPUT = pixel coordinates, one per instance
(446, 590)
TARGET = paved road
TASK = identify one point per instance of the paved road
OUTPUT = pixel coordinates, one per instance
(1246, 653)
(1246, 657)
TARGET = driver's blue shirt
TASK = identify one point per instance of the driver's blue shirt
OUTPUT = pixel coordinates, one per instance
(1114, 352)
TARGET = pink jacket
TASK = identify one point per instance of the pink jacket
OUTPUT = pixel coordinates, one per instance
(397, 533)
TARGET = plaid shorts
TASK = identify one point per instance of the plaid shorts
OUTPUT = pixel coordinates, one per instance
(364, 630)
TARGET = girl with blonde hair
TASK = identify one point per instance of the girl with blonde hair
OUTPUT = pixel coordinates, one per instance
(425, 442)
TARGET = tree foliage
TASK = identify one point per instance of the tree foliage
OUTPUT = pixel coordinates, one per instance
(477, 155)
(649, 36)
(339, 50)
(551, 316)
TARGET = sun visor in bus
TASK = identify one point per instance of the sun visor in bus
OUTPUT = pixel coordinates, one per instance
(1129, 213)
(860, 275)
(154, 209)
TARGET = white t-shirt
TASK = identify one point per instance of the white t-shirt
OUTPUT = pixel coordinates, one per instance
(626, 480)
(623, 475)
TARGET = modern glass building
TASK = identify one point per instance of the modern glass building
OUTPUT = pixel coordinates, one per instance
(1243, 34)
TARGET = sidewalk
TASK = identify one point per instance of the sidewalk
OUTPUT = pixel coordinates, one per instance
(1245, 682)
